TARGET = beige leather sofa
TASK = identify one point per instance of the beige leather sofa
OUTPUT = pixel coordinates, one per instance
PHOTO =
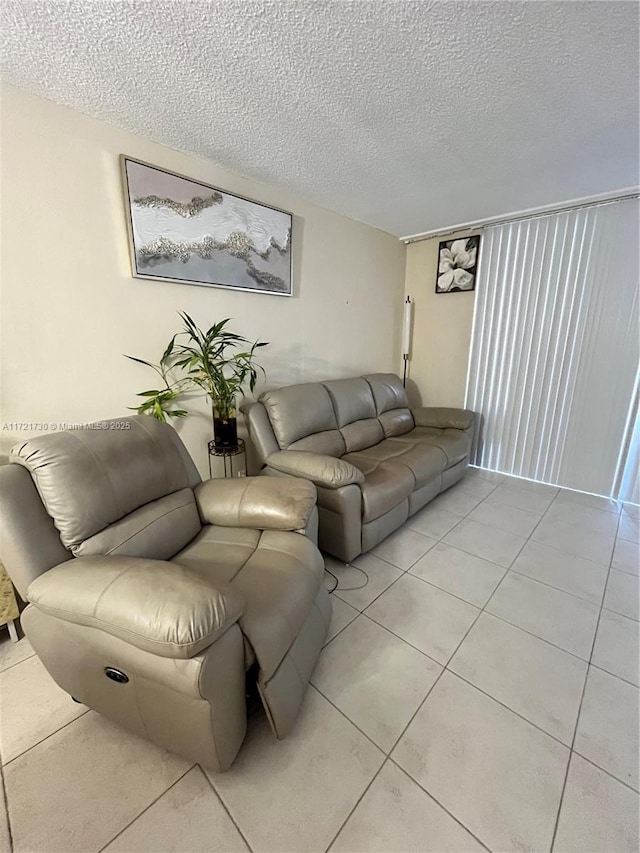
(153, 595)
(373, 460)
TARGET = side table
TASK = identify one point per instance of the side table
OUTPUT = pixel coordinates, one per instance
(233, 459)
(8, 606)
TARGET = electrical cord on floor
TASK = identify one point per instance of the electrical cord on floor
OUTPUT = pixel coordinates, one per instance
(335, 586)
(347, 588)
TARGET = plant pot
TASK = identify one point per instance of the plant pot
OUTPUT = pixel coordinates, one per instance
(225, 428)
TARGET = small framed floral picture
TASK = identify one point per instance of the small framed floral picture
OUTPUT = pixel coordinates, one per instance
(457, 264)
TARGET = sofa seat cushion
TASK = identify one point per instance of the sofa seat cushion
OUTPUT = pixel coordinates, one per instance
(218, 553)
(421, 433)
(424, 461)
(383, 451)
(454, 443)
(386, 485)
(278, 574)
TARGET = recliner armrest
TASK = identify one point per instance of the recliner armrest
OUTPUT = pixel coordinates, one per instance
(320, 469)
(443, 418)
(160, 607)
(258, 502)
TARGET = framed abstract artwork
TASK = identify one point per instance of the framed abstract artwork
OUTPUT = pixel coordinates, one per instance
(457, 264)
(186, 231)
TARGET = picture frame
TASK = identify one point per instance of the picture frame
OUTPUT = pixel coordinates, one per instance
(185, 231)
(457, 264)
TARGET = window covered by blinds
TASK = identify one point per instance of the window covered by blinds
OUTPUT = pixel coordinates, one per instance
(554, 352)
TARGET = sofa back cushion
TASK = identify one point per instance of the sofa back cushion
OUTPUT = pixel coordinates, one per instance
(392, 405)
(299, 412)
(328, 443)
(362, 434)
(90, 478)
(352, 400)
(355, 411)
(157, 530)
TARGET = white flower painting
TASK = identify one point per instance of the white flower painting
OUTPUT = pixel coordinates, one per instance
(457, 260)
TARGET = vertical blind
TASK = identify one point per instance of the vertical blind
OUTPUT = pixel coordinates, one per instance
(554, 352)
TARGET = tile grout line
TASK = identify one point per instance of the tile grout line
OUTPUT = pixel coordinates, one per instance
(403, 572)
(444, 669)
(328, 642)
(543, 731)
(5, 805)
(625, 571)
(509, 568)
(444, 808)
(436, 539)
(606, 772)
(17, 663)
(363, 613)
(619, 677)
(398, 637)
(508, 708)
(355, 805)
(349, 720)
(388, 562)
(536, 636)
(226, 809)
(408, 569)
(388, 754)
(559, 589)
(46, 737)
(146, 808)
(515, 571)
(417, 711)
(617, 613)
(393, 634)
(518, 627)
(584, 690)
(493, 616)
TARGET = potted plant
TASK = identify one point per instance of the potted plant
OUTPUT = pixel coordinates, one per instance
(216, 361)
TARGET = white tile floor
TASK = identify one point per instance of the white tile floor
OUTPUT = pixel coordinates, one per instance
(479, 693)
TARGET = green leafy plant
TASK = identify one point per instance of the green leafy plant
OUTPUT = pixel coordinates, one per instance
(217, 361)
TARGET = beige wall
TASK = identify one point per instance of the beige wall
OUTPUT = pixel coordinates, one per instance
(70, 307)
(441, 333)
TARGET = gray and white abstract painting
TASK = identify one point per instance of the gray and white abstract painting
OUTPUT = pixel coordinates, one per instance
(185, 231)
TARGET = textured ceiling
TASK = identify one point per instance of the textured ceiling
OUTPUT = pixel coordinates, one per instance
(405, 115)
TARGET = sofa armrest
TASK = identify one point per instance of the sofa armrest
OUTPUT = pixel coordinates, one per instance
(321, 470)
(443, 418)
(160, 607)
(256, 502)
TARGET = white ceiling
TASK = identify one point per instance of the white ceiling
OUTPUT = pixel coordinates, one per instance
(405, 115)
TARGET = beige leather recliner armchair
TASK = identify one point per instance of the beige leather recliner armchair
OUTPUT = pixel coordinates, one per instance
(152, 594)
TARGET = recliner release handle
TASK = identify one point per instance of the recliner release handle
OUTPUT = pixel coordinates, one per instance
(116, 675)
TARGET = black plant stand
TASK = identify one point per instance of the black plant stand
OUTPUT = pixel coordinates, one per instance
(232, 465)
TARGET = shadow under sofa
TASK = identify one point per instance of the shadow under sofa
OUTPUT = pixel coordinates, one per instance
(374, 461)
